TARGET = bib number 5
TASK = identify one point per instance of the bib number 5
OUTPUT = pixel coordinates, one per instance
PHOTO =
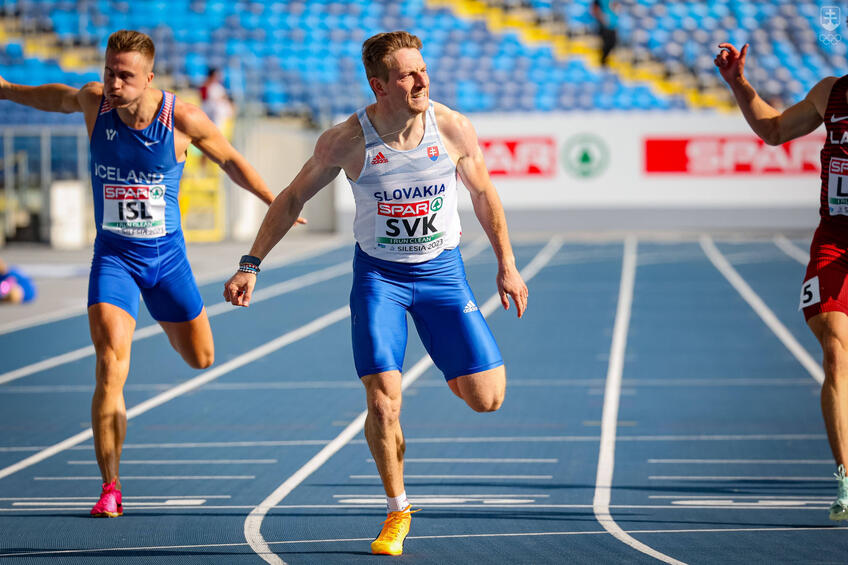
(810, 293)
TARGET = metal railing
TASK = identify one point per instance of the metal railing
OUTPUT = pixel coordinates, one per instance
(32, 158)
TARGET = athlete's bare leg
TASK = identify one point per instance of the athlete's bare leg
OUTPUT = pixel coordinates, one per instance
(831, 329)
(192, 340)
(483, 391)
(382, 428)
(111, 332)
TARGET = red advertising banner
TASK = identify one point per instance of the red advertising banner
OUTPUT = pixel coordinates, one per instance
(520, 156)
(731, 155)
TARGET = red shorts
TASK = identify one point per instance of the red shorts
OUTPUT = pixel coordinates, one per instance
(825, 287)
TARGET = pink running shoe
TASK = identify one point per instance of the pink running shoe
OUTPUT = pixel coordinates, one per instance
(109, 505)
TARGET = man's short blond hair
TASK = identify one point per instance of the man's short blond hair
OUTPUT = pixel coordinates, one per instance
(127, 40)
(377, 48)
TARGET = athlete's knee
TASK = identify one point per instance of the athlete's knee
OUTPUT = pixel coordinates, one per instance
(198, 356)
(383, 409)
(112, 370)
(489, 401)
(200, 359)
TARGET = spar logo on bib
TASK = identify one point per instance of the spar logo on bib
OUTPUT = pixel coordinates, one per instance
(433, 152)
(129, 192)
(404, 210)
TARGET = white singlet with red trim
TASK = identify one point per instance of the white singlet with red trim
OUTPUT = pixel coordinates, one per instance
(406, 201)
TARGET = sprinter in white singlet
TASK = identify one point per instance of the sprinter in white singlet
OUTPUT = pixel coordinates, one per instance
(401, 156)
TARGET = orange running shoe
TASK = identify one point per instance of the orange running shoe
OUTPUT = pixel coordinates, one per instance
(109, 505)
(395, 529)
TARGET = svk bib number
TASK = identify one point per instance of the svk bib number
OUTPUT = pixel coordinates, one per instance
(410, 227)
(134, 210)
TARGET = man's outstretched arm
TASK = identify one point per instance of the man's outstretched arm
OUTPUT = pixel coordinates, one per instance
(47, 97)
(769, 124)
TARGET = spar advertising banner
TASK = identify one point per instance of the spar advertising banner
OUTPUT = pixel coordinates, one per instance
(626, 160)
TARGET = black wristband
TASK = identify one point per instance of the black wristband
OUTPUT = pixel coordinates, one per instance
(250, 260)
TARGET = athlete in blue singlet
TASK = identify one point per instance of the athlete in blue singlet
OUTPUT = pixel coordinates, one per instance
(139, 138)
(401, 156)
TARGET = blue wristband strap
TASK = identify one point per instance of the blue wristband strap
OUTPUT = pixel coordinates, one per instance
(249, 264)
(250, 260)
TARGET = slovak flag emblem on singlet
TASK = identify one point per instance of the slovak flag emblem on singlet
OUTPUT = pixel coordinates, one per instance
(433, 152)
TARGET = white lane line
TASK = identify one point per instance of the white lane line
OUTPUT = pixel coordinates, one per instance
(472, 460)
(88, 499)
(447, 499)
(186, 445)
(763, 311)
(89, 388)
(481, 439)
(170, 502)
(450, 503)
(593, 438)
(609, 418)
(735, 478)
(746, 461)
(253, 523)
(757, 496)
(47, 317)
(157, 478)
(72, 311)
(211, 311)
(727, 437)
(462, 477)
(425, 497)
(205, 377)
(447, 536)
(717, 382)
(184, 462)
(791, 249)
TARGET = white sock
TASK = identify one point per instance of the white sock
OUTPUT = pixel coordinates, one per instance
(397, 503)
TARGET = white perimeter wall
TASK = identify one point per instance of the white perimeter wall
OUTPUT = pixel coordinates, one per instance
(694, 162)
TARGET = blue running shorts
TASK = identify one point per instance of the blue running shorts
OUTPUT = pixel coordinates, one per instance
(158, 269)
(437, 296)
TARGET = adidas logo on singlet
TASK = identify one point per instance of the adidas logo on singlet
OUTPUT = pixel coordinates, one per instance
(470, 307)
(380, 158)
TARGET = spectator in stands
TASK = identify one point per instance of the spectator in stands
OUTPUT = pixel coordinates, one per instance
(604, 11)
(214, 100)
(15, 286)
(824, 292)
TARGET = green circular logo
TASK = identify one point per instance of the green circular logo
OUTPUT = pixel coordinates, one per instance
(157, 192)
(436, 204)
(585, 155)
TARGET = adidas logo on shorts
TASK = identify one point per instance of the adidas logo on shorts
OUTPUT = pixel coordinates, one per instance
(379, 159)
(470, 307)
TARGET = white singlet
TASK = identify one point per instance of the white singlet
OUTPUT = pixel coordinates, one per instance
(406, 202)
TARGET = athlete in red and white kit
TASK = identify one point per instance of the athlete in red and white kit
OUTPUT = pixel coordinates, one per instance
(824, 292)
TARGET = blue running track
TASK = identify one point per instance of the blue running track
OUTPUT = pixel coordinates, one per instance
(652, 413)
